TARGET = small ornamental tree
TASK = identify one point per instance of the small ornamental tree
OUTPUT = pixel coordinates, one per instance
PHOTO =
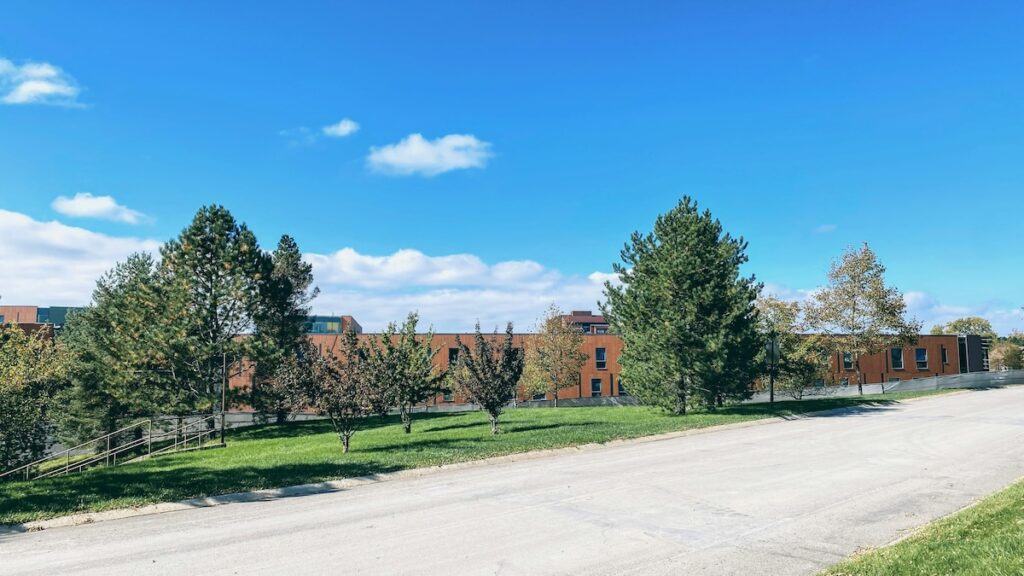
(417, 379)
(339, 386)
(554, 356)
(382, 371)
(857, 313)
(488, 373)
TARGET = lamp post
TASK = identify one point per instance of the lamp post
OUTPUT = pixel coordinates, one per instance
(772, 354)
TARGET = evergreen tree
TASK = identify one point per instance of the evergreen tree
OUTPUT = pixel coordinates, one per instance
(488, 373)
(684, 312)
(417, 379)
(280, 326)
(121, 351)
(216, 279)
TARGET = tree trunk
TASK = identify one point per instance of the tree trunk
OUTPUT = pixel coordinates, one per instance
(494, 423)
(282, 416)
(556, 397)
(406, 420)
(344, 443)
(681, 397)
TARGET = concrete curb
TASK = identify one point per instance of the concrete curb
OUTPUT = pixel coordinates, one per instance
(349, 483)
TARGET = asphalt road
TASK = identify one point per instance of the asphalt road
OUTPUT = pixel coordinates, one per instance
(782, 498)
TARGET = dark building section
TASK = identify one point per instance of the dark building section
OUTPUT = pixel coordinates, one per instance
(973, 353)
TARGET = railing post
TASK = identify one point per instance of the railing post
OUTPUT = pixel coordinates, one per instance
(67, 466)
(222, 416)
(149, 440)
(107, 455)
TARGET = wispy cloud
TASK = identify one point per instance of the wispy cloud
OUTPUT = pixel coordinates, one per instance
(825, 229)
(414, 154)
(85, 205)
(300, 136)
(343, 128)
(36, 83)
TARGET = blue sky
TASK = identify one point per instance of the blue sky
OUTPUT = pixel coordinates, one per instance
(549, 131)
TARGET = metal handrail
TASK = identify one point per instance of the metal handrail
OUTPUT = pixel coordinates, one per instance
(109, 456)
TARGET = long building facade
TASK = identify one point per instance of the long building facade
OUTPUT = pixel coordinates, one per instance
(600, 376)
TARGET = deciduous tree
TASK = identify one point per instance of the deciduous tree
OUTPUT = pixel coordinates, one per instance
(971, 325)
(857, 312)
(32, 369)
(487, 374)
(554, 356)
(417, 379)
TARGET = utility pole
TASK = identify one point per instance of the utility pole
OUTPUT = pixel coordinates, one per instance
(223, 393)
(773, 360)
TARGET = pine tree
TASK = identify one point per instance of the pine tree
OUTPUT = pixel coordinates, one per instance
(280, 326)
(684, 312)
(215, 275)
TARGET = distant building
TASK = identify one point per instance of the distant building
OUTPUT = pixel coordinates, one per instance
(54, 316)
(587, 321)
(332, 325)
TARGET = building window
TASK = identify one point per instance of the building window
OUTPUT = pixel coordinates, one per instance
(600, 358)
(1, 318)
(847, 360)
(600, 329)
(448, 396)
(540, 396)
(897, 358)
(891, 380)
(819, 383)
(595, 387)
(921, 357)
(844, 382)
(945, 355)
(453, 357)
(622, 388)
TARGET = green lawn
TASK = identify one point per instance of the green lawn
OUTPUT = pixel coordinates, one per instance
(273, 456)
(986, 539)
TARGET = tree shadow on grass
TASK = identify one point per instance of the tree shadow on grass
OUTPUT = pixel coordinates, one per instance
(305, 428)
(125, 487)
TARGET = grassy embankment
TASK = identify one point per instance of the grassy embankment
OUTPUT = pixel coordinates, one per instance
(297, 453)
(985, 539)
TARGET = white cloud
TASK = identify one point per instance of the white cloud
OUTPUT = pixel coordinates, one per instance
(825, 229)
(408, 268)
(85, 205)
(416, 155)
(50, 263)
(36, 83)
(341, 129)
(451, 292)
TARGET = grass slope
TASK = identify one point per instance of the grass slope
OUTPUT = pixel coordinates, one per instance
(298, 453)
(986, 539)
